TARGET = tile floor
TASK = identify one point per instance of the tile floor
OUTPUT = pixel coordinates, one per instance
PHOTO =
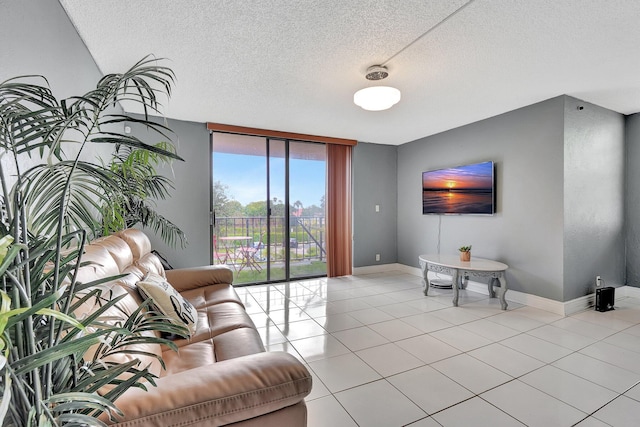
(383, 354)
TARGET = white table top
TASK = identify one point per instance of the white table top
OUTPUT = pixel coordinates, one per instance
(453, 261)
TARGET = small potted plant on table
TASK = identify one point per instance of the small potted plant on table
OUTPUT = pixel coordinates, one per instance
(465, 253)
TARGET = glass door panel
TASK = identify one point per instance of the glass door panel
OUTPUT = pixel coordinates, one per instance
(307, 182)
(277, 203)
(267, 207)
(239, 205)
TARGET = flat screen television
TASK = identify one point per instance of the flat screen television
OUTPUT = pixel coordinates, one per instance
(468, 189)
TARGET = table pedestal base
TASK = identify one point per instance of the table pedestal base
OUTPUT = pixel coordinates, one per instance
(497, 279)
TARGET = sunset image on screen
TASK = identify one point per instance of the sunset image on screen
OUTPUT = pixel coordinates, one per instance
(460, 190)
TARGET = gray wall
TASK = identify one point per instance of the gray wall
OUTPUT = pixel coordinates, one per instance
(594, 181)
(188, 206)
(527, 230)
(374, 183)
(38, 39)
(632, 132)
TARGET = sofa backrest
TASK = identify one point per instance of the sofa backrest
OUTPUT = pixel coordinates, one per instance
(127, 252)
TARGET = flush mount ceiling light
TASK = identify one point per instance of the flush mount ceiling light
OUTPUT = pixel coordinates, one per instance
(377, 98)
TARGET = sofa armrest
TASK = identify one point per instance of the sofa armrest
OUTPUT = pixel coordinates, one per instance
(221, 393)
(184, 279)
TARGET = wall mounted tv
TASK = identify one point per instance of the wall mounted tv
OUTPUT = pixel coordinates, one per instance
(460, 190)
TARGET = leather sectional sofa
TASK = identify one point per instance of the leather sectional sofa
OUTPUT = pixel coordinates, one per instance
(221, 375)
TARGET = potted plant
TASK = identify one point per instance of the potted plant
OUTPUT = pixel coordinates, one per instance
(465, 253)
(49, 211)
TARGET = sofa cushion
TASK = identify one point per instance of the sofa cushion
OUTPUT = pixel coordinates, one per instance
(138, 242)
(237, 343)
(211, 295)
(118, 249)
(150, 263)
(168, 301)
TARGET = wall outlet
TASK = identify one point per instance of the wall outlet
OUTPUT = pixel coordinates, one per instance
(377, 257)
(377, 208)
(598, 282)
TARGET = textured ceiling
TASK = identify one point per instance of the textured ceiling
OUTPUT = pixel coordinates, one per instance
(294, 65)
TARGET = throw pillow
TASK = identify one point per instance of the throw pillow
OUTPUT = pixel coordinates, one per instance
(168, 301)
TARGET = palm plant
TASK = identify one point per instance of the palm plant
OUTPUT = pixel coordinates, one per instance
(140, 183)
(50, 211)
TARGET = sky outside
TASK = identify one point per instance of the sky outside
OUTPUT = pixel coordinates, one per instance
(245, 177)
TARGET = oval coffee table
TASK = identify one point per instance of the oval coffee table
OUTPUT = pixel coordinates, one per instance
(477, 267)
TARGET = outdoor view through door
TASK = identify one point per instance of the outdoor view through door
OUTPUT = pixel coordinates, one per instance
(268, 197)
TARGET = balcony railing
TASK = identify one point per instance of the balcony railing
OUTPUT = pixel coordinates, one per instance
(306, 241)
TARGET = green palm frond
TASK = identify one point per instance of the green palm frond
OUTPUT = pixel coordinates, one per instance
(51, 209)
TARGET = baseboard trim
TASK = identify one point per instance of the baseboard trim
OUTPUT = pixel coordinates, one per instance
(562, 308)
(383, 268)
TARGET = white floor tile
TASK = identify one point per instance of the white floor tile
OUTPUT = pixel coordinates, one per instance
(282, 317)
(360, 338)
(343, 372)
(427, 304)
(345, 306)
(427, 322)
(427, 348)
(430, 389)
(623, 358)
(490, 330)
(302, 329)
(531, 406)
(425, 422)
(460, 338)
(318, 390)
(597, 371)
(483, 308)
(622, 412)
(634, 392)
(395, 330)
(319, 347)
(564, 367)
(606, 319)
(475, 412)
(582, 327)
(577, 392)
(513, 320)
(338, 322)
(389, 359)
(370, 315)
(506, 359)
(562, 337)
(399, 310)
(328, 412)
(456, 315)
(271, 335)
(539, 315)
(536, 348)
(624, 340)
(287, 348)
(592, 422)
(471, 373)
(379, 404)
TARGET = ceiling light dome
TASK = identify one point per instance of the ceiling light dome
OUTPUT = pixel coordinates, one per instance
(377, 98)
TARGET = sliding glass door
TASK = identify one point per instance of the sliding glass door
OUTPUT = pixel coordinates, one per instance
(267, 213)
